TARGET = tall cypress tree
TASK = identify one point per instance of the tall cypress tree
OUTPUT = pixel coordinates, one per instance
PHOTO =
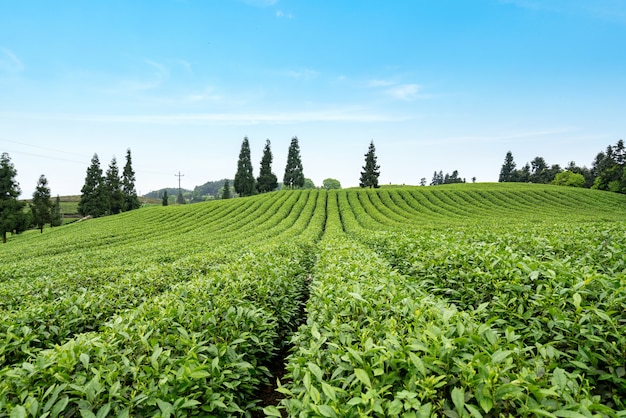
(267, 181)
(114, 188)
(294, 175)
(226, 191)
(131, 201)
(166, 200)
(507, 172)
(369, 177)
(41, 206)
(94, 200)
(12, 216)
(244, 179)
(56, 219)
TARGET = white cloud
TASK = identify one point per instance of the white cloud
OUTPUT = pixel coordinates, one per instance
(9, 62)
(347, 114)
(396, 90)
(405, 92)
(280, 13)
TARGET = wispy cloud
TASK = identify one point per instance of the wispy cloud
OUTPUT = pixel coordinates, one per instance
(347, 114)
(152, 79)
(9, 62)
(397, 90)
(280, 13)
(381, 83)
(407, 92)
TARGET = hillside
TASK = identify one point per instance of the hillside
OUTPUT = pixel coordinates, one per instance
(479, 299)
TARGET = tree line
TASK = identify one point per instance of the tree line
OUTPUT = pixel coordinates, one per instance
(607, 171)
(16, 216)
(246, 185)
(108, 193)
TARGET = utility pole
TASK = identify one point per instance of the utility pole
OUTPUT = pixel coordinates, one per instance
(179, 176)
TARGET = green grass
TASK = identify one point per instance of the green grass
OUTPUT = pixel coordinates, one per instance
(457, 300)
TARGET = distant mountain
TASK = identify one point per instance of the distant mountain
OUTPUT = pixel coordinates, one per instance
(171, 191)
(208, 191)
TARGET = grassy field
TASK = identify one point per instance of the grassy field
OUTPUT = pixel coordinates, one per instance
(462, 300)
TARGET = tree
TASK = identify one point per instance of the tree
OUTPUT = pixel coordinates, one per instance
(12, 216)
(507, 172)
(166, 200)
(438, 178)
(369, 177)
(308, 184)
(329, 184)
(267, 181)
(567, 178)
(131, 201)
(423, 181)
(180, 199)
(539, 170)
(114, 188)
(609, 169)
(294, 174)
(244, 178)
(56, 219)
(93, 199)
(41, 206)
(226, 192)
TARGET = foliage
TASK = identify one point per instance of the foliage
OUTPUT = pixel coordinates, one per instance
(226, 191)
(41, 206)
(371, 170)
(567, 178)
(458, 300)
(244, 179)
(294, 176)
(12, 217)
(131, 201)
(329, 184)
(114, 188)
(507, 172)
(94, 200)
(165, 199)
(609, 169)
(267, 181)
(180, 200)
(56, 218)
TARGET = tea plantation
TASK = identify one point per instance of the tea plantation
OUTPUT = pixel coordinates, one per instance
(481, 300)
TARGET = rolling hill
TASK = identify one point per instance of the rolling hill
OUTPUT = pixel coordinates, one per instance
(463, 300)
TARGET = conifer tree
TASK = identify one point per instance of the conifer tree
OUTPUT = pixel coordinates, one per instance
(244, 178)
(131, 201)
(166, 198)
(267, 181)
(226, 191)
(12, 216)
(57, 219)
(294, 175)
(371, 170)
(94, 200)
(41, 206)
(507, 172)
(114, 188)
(180, 199)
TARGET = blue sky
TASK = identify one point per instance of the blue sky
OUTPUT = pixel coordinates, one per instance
(438, 85)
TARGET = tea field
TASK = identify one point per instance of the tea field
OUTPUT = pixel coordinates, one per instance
(471, 300)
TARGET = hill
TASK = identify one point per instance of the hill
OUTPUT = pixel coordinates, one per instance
(464, 299)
